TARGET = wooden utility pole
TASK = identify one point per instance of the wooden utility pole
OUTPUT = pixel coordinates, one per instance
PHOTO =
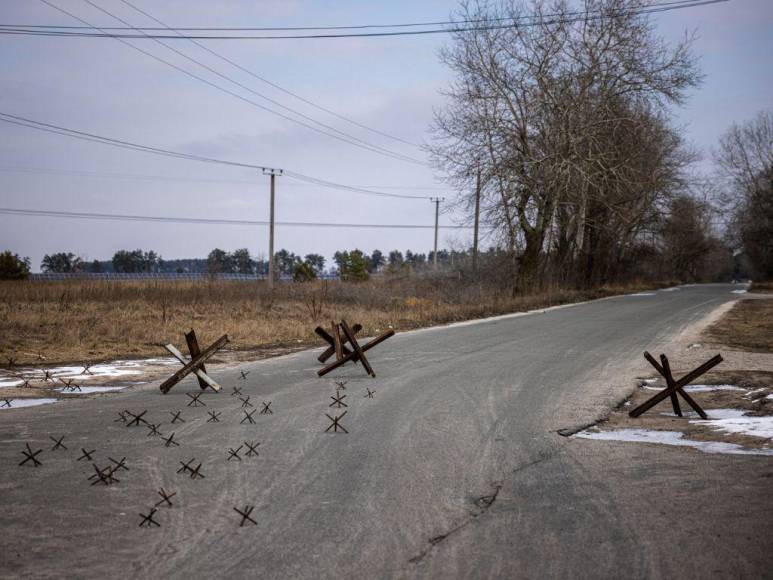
(273, 173)
(436, 201)
(477, 221)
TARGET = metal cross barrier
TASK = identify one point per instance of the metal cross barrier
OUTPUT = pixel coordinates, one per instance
(336, 425)
(169, 441)
(246, 514)
(30, 455)
(86, 454)
(234, 453)
(148, 521)
(165, 497)
(338, 401)
(248, 416)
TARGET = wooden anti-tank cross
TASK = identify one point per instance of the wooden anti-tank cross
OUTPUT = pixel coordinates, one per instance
(335, 346)
(675, 387)
(358, 352)
(196, 364)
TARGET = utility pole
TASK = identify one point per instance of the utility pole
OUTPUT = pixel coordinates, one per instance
(477, 221)
(436, 201)
(273, 173)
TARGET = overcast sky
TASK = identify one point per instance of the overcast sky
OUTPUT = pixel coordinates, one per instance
(389, 84)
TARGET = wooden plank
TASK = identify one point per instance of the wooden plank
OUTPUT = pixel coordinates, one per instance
(322, 333)
(337, 341)
(665, 372)
(200, 374)
(193, 348)
(355, 345)
(690, 401)
(194, 364)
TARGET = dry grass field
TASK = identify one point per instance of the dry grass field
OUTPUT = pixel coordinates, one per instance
(83, 321)
(748, 325)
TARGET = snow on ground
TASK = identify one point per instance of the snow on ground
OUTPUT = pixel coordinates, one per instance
(738, 292)
(672, 289)
(87, 390)
(700, 388)
(670, 438)
(16, 403)
(117, 368)
(642, 294)
(737, 421)
(7, 382)
(97, 371)
(708, 388)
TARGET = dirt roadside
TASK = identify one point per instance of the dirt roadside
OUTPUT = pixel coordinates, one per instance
(737, 394)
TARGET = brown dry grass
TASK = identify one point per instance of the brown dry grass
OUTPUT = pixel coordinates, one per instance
(90, 321)
(765, 287)
(748, 325)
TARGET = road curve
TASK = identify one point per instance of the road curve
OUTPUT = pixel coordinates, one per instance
(453, 469)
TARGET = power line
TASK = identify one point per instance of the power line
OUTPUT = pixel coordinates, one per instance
(210, 221)
(237, 83)
(270, 83)
(354, 189)
(327, 27)
(346, 139)
(455, 29)
(138, 177)
(59, 130)
(47, 127)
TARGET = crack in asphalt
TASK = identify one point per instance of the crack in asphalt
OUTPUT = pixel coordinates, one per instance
(483, 504)
(569, 431)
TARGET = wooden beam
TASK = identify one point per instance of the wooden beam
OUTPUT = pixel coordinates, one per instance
(194, 364)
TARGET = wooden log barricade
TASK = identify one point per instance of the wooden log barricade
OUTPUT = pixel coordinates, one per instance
(196, 364)
(675, 387)
(342, 334)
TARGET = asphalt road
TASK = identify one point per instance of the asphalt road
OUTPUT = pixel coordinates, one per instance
(453, 470)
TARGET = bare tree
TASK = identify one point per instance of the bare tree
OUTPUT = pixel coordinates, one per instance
(567, 119)
(745, 161)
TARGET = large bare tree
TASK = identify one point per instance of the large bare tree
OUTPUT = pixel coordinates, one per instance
(745, 160)
(565, 114)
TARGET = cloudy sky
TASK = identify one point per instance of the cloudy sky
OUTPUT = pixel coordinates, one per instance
(389, 84)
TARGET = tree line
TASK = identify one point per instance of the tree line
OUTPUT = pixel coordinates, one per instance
(351, 265)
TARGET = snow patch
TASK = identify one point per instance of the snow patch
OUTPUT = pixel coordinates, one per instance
(674, 438)
(86, 390)
(738, 292)
(10, 383)
(16, 403)
(708, 388)
(738, 422)
(700, 388)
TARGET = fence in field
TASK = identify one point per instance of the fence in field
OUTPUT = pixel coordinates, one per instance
(159, 276)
